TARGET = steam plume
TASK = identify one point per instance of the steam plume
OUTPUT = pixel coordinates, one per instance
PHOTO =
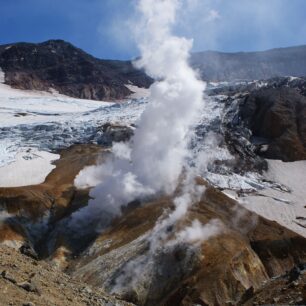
(153, 161)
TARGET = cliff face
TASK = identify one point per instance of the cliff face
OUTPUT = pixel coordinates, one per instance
(218, 66)
(273, 113)
(59, 65)
(277, 116)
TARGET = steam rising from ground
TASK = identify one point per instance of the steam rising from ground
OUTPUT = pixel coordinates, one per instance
(154, 162)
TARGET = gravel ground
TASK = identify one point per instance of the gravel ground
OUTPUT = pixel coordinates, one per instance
(27, 282)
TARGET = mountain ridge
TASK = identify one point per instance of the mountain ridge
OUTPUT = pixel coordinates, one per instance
(71, 71)
(59, 65)
(250, 52)
(277, 62)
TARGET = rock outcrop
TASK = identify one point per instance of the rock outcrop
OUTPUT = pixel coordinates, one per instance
(265, 119)
(276, 118)
(287, 289)
(28, 282)
(58, 65)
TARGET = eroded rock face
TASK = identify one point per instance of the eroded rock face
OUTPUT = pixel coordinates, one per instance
(276, 118)
(287, 289)
(247, 253)
(59, 65)
(265, 119)
(24, 281)
(28, 213)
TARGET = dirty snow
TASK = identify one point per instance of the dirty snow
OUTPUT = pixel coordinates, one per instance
(28, 107)
(50, 121)
(30, 167)
(287, 207)
(138, 92)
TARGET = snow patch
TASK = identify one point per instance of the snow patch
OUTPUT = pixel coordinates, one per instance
(44, 102)
(138, 92)
(30, 167)
(285, 207)
(48, 120)
(292, 78)
(29, 107)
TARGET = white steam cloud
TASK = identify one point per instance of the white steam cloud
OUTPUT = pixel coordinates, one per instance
(155, 161)
(196, 233)
(152, 162)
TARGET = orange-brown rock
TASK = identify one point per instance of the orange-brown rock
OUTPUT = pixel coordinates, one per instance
(228, 268)
(54, 199)
(247, 253)
(24, 281)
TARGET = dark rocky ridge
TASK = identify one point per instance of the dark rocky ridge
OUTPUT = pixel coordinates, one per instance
(265, 119)
(219, 66)
(276, 117)
(59, 65)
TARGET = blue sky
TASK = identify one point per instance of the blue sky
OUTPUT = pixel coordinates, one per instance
(104, 27)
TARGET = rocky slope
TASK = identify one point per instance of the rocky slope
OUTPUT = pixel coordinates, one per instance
(227, 268)
(285, 289)
(220, 271)
(29, 208)
(249, 260)
(28, 282)
(270, 116)
(59, 65)
(218, 66)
